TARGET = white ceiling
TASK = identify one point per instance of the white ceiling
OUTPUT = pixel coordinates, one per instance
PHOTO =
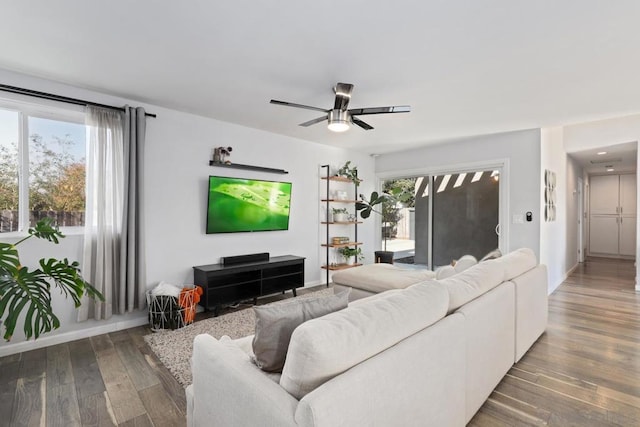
(465, 67)
(620, 158)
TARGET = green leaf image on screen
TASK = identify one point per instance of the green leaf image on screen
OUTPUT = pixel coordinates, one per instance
(247, 205)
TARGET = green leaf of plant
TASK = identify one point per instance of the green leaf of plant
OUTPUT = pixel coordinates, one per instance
(30, 290)
(66, 276)
(374, 198)
(9, 259)
(46, 229)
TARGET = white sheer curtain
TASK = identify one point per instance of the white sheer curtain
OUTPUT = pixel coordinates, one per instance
(104, 208)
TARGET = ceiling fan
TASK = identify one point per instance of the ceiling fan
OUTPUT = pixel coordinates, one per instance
(339, 117)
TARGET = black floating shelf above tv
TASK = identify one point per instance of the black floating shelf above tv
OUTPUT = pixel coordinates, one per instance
(247, 167)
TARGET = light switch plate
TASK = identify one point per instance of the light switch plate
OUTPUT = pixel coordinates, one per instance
(518, 219)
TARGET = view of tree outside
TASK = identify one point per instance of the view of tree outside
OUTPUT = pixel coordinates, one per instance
(403, 190)
(56, 171)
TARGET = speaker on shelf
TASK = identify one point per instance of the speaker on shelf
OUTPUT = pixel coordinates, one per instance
(243, 259)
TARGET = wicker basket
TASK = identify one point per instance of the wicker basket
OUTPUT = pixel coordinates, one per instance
(167, 312)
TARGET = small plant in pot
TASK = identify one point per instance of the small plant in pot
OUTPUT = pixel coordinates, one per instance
(340, 214)
(351, 254)
(347, 171)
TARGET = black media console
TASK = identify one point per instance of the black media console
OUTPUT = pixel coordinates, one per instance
(228, 284)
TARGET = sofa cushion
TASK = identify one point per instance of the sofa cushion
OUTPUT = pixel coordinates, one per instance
(445, 271)
(323, 348)
(380, 277)
(465, 262)
(517, 262)
(242, 353)
(459, 266)
(473, 282)
(275, 324)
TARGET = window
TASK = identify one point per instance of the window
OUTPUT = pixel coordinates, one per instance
(42, 166)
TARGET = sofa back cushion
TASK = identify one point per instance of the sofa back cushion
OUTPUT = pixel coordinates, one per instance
(517, 262)
(471, 283)
(323, 348)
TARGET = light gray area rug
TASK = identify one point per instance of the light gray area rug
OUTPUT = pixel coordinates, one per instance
(174, 348)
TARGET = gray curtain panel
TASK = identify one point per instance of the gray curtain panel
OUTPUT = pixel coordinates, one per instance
(133, 280)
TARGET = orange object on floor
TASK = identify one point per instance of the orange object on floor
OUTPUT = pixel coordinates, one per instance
(188, 299)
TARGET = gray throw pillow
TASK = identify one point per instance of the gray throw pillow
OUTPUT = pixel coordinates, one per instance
(275, 324)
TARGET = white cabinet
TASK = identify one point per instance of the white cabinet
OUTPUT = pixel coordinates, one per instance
(604, 234)
(628, 235)
(604, 194)
(612, 208)
(628, 195)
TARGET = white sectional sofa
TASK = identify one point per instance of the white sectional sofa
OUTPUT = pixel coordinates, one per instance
(427, 355)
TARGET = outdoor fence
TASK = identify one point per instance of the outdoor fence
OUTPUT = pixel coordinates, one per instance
(9, 219)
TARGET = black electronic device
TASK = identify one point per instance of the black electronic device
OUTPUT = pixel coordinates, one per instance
(243, 259)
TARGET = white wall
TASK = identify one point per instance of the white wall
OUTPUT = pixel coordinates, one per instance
(178, 149)
(522, 149)
(558, 239)
(603, 133)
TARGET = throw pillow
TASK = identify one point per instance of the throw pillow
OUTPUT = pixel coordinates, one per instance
(445, 271)
(275, 324)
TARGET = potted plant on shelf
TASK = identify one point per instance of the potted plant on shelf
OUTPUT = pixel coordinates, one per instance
(349, 172)
(29, 291)
(340, 214)
(351, 254)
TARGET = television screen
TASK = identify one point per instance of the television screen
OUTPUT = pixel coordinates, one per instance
(237, 204)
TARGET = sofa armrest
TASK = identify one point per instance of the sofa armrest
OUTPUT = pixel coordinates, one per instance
(229, 390)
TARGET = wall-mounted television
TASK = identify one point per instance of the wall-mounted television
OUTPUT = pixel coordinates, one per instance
(241, 205)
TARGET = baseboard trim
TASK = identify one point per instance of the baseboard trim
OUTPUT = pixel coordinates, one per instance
(571, 270)
(64, 337)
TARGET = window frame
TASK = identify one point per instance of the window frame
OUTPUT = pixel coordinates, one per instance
(48, 110)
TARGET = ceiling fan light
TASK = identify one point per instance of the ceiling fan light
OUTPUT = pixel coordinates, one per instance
(338, 126)
(338, 120)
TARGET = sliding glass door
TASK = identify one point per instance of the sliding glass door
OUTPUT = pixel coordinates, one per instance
(445, 216)
(465, 215)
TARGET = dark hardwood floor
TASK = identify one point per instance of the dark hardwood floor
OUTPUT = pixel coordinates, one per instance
(584, 371)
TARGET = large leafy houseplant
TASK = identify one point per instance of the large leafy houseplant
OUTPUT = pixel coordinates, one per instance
(29, 291)
(381, 203)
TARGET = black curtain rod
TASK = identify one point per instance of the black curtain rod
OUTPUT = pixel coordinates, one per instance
(52, 97)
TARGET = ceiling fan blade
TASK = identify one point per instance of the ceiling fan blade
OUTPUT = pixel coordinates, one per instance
(292, 104)
(380, 110)
(343, 96)
(363, 125)
(314, 121)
